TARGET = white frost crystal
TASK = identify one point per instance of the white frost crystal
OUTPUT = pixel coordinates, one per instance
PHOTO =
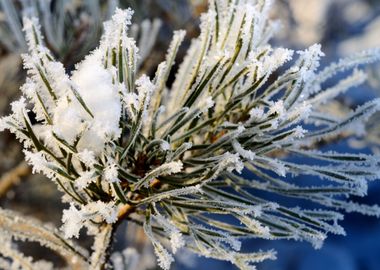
(101, 97)
(111, 173)
(85, 179)
(171, 155)
(87, 157)
(74, 219)
(176, 241)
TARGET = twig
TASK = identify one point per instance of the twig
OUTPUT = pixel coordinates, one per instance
(13, 177)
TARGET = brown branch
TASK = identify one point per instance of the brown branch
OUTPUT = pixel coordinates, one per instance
(125, 211)
(13, 177)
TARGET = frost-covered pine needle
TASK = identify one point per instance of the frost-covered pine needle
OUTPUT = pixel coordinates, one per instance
(123, 146)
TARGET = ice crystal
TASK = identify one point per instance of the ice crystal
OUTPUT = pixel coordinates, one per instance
(124, 146)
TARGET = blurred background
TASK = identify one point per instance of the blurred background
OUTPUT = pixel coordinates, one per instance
(73, 27)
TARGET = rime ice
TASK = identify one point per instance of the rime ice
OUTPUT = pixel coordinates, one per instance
(120, 143)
